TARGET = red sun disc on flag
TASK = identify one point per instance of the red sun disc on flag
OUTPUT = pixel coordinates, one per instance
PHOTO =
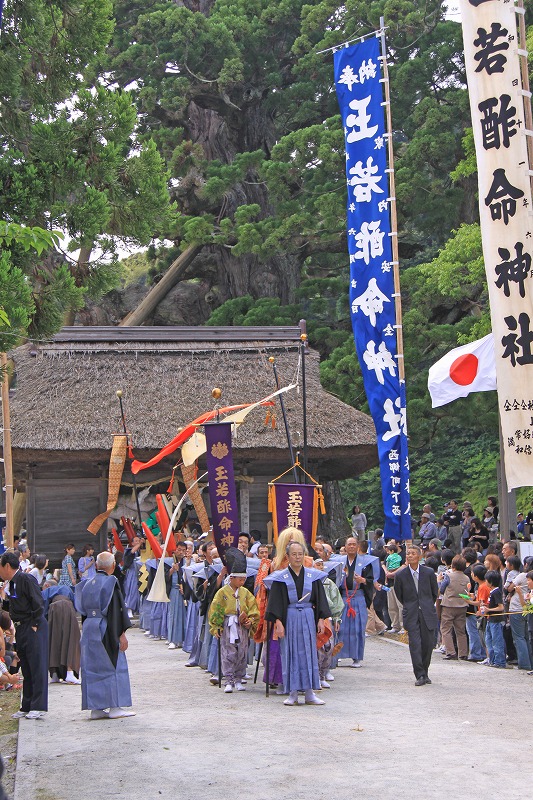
(464, 369)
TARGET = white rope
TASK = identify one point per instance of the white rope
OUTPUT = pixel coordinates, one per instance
(336, 47)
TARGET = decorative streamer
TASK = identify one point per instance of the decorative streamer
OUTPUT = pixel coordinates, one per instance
(158, 592)
(195, 495)
(116, 468)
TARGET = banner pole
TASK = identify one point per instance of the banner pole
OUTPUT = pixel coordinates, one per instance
(9, 539)
(259, 654)
(524, 74)
(272, 360)
(303, 349)
(393, 214)
(267, 660)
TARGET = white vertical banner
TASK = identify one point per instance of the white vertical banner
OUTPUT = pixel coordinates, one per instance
(496, 103)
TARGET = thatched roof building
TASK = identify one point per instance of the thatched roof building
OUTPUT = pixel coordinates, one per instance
(64, 409)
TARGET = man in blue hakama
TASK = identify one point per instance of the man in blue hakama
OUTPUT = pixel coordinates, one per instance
(177, 610)
(361, 572)
(193, 606)
(105, 682)
(204, 593)
(130, 565)
(298, 607)
(158, 610)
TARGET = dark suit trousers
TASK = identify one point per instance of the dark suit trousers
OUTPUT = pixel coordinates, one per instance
(421, 642)
(32, 650)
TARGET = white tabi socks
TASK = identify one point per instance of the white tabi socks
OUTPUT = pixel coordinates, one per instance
(312, 700)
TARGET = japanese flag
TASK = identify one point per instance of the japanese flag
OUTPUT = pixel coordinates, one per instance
(470, 368)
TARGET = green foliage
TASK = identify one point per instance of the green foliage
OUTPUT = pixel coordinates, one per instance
(461, 467)
(468, 165)
(69, 158)
(34, 238)
(58, 292)
(251, 71)
(16, 303)
(247, 311)
(134, 267)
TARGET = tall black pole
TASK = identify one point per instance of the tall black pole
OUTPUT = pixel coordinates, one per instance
(139, 521)
(285, 420)
(258, 661)
(303, 350)
(267, 660)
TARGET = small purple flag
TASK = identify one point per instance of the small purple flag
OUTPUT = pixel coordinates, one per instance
(222, 493)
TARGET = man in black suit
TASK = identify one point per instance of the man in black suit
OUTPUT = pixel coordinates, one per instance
(416, 589)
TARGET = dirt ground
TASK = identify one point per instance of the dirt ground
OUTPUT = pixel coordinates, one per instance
(9, 703)
(378, 734)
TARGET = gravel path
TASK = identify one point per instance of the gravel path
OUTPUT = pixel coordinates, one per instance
(378, 734)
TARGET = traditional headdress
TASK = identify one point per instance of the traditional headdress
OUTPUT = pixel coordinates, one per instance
(236, 563)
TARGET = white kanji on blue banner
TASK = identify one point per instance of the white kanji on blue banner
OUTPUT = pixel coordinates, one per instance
(359, 91)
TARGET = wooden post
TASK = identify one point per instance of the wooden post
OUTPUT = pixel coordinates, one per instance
(19, 511)
(507, 515)
(8, 464)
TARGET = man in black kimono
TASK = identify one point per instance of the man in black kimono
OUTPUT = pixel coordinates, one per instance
(25, 605)
(298, 607)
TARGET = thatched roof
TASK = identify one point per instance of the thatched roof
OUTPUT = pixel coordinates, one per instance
(65, 405)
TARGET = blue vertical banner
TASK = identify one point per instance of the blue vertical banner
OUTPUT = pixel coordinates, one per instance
(372, 296)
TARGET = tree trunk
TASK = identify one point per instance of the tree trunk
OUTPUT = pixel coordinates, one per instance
(161, 289)
(222, 136)
(334, 524)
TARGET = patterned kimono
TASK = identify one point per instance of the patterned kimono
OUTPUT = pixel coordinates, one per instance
(227, 606)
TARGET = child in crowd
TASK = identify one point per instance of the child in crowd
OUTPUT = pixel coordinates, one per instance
(494, 631)
(7, 656)
(480, 595)
(233, 616)
(393, 562)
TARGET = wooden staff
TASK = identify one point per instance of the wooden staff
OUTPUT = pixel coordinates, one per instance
(267, 662)
(259, 654)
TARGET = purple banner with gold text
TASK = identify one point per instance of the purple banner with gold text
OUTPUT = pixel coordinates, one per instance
(222, 492)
